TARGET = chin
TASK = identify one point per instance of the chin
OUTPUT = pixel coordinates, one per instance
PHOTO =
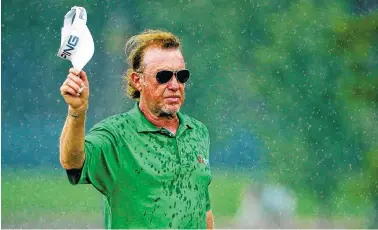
(171, 109)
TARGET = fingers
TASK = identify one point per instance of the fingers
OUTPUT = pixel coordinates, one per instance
(72, 85)
(75, 80)
(79, 73)
(76, 83)
(74, 71)
(83, 76)
(65, 89)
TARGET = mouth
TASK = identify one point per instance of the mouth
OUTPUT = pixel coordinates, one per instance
(173, 99)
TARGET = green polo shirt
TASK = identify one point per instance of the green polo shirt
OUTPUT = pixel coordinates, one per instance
(149, 177)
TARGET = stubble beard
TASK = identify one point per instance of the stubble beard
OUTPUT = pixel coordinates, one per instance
(165, 111)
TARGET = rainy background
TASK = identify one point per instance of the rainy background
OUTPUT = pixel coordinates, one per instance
(288, 90)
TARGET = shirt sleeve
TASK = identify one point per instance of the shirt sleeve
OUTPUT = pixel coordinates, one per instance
(208, 203)
(101, 162)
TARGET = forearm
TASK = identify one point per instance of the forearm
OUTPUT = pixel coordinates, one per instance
(209, 220)
(72, 141)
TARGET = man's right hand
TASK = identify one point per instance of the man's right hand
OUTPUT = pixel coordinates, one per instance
(75, 91)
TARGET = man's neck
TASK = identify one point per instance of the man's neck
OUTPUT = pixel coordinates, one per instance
(170, 122)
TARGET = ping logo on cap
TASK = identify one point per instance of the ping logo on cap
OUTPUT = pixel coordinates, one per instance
(71, 44)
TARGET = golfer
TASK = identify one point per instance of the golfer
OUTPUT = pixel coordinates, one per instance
(151, 163)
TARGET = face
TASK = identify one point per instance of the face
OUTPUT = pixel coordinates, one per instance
(167, 98)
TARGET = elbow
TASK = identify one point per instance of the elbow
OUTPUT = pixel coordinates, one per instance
(75, 161)
(71, 165)
(66, 165)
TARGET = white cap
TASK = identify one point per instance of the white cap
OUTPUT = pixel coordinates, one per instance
(76, 41)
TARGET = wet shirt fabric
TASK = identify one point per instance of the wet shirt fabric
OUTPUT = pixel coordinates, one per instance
(149, 177)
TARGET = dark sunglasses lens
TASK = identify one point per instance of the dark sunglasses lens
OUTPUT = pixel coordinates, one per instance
(183, 76)
(164, 76)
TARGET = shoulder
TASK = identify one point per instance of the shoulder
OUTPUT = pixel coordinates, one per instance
(114, 122)
(116, 119)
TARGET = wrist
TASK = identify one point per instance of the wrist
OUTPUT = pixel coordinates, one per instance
(76, 113)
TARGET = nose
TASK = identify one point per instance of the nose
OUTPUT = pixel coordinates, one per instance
(173, 84)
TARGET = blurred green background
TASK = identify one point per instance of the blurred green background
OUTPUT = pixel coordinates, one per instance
(288, 90)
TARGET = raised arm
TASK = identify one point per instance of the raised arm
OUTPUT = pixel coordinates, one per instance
(75, 91)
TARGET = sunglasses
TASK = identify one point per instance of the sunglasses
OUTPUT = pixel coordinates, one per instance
(165, 76)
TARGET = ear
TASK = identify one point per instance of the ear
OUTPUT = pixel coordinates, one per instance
(136, 80)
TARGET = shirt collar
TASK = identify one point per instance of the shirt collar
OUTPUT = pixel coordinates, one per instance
(144, 125)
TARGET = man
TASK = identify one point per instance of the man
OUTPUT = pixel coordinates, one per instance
(151, 163)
